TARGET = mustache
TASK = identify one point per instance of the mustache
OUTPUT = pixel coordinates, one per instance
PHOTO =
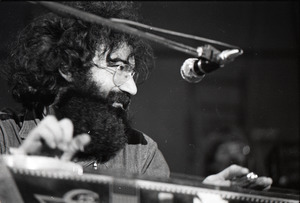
(120, 97)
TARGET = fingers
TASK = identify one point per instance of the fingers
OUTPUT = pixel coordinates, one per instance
(54, 133)
(67, 130)
(223, 178)
(42, 132)
(76, 144)
(262, 183)
(233, 171)
(216, 180)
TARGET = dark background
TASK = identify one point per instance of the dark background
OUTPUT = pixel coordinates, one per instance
(258, 92)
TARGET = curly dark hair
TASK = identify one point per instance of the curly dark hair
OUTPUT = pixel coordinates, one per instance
(54, 42)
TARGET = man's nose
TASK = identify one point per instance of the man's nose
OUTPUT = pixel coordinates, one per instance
(129, 87)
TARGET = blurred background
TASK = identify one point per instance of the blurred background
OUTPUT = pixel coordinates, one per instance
(246, 112)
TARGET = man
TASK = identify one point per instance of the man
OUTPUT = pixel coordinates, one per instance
(75, 80)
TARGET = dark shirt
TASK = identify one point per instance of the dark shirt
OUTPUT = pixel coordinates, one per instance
(140, 155)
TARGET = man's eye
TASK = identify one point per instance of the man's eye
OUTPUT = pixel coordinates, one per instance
(121, 67)
(114, 64)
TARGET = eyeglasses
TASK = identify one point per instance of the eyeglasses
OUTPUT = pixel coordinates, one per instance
(121, 73)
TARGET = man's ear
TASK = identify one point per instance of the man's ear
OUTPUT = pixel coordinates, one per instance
(66, 74)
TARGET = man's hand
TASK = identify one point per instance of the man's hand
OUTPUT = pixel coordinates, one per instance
(226, 177)
(56, 135)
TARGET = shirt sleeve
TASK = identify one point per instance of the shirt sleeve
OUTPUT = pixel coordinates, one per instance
(8, 134)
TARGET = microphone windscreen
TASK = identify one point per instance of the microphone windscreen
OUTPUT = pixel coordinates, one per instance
(188, 72)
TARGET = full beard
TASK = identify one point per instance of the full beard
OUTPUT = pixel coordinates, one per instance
(92, 114)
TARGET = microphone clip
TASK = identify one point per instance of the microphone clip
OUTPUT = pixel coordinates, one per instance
(212, 54)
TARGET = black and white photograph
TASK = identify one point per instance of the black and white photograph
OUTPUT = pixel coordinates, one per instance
(149, 101)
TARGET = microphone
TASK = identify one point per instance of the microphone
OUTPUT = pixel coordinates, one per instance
(193, 70)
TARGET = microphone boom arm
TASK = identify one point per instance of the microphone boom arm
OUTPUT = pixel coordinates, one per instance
(120, 25)
(89, 17)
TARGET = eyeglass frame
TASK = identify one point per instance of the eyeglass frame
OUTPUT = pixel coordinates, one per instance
(116, 68)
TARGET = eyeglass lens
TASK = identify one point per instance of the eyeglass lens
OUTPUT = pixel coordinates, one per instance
(123, 74)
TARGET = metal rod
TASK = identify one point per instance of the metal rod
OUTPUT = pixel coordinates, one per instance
(85, 16)
(170, 32)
